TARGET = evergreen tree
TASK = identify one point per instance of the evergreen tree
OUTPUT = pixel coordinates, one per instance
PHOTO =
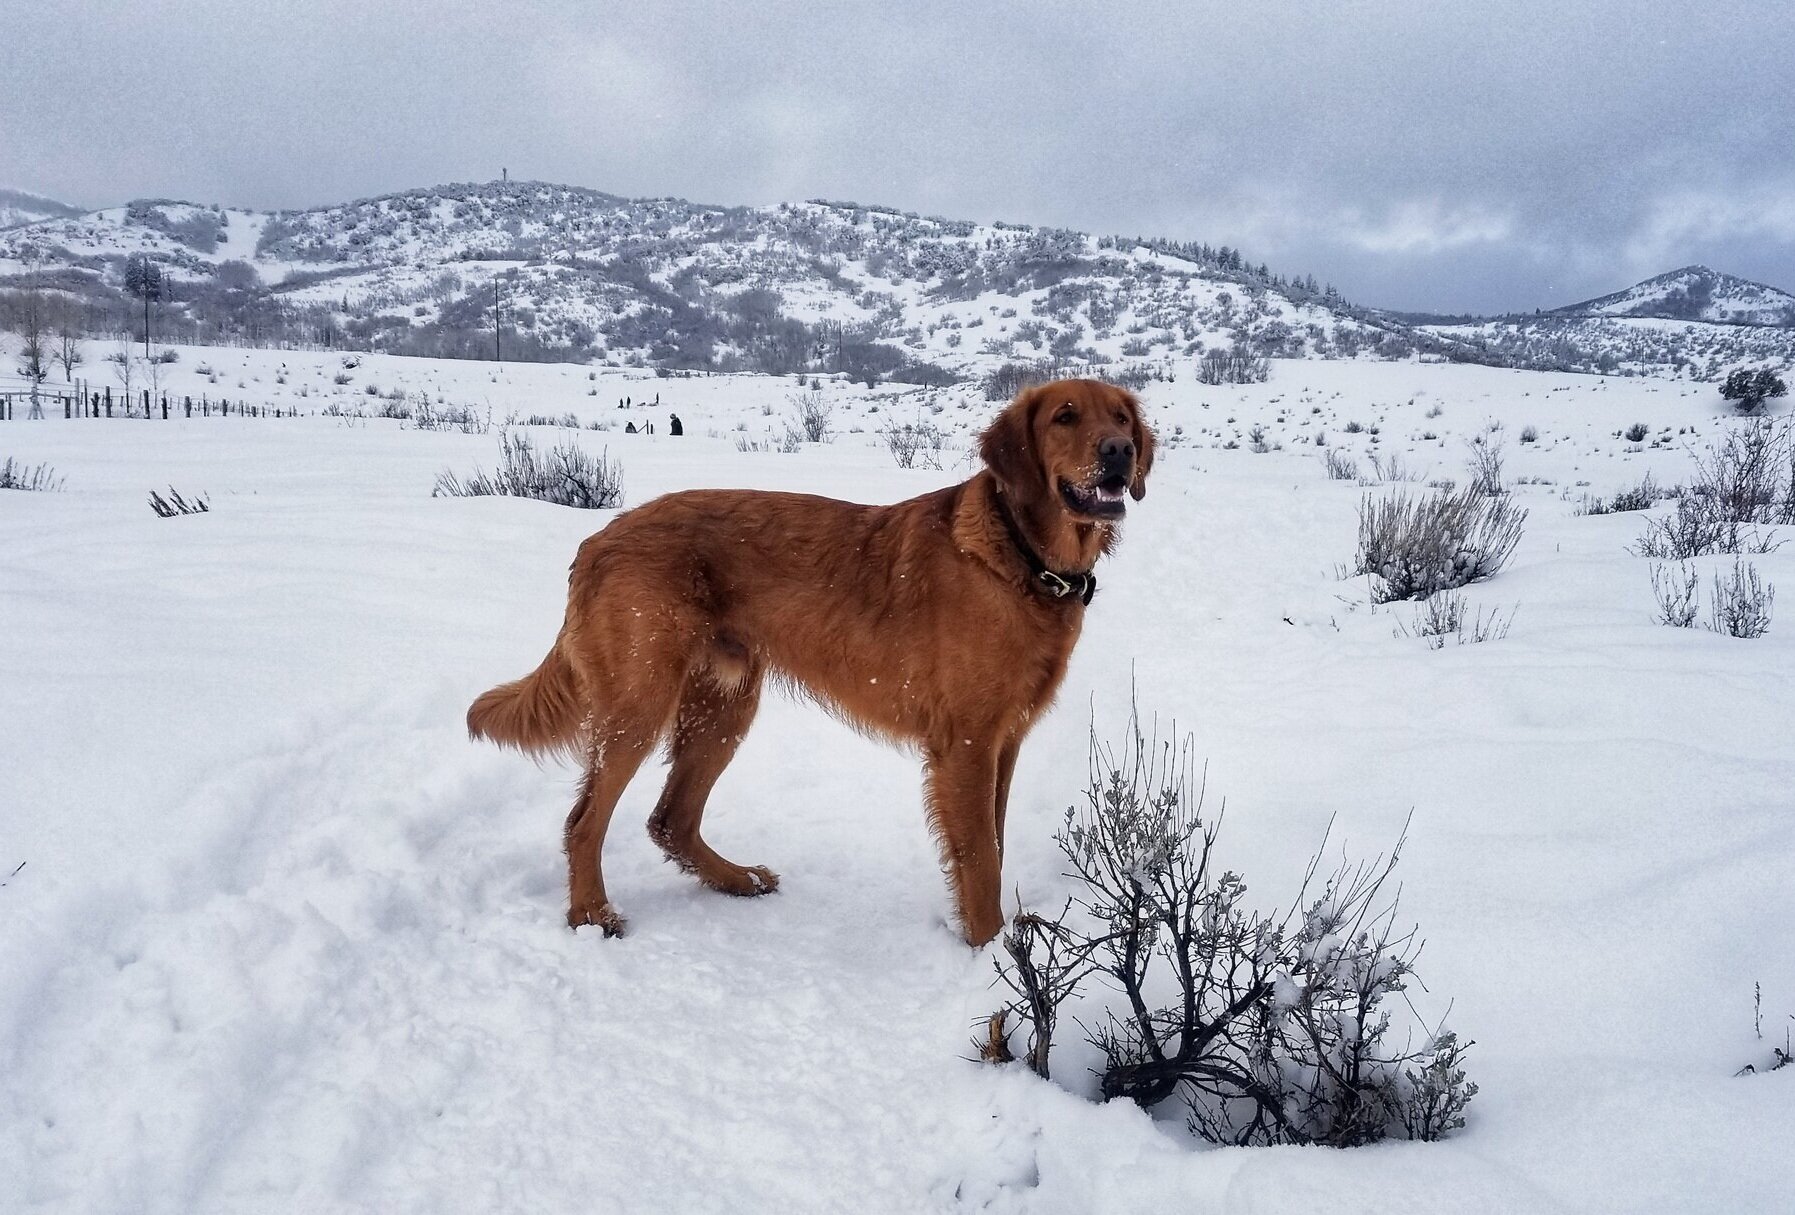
(143, 280)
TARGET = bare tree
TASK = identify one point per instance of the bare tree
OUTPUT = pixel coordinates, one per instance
(154, 370)
(34, 356)
(67, 349)
(124, 365)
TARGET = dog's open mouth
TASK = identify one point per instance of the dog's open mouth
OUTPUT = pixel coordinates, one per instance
(1103, 499)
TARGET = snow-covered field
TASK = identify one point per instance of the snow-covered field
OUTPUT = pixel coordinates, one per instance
(285, 940)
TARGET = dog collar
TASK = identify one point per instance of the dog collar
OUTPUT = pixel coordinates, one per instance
(1081, 584)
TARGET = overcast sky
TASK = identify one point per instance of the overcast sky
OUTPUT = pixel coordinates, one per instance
(1454, 156)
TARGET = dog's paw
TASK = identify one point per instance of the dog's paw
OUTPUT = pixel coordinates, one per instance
(602, 915)
(743, 881)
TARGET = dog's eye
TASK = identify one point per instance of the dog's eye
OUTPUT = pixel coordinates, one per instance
(1121, 419)
(1064, 417)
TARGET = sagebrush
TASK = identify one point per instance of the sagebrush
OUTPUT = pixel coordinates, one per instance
(1269, 1028)
(1418, 546)
(566, 474)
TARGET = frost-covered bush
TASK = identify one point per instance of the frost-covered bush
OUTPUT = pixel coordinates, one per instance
(565, 474)
(1269, 1029)
(1445, 616)
(1677, 594)
(1742, 603)
(1417, 546)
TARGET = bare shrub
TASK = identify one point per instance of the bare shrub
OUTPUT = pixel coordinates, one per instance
(1388, 469)
(1643, 496)
(425, 416)
(39, 477)
(811, 414)
(1278, 1029)
(914, 443)
(1436, 542)
(1749, 480)
(1485, 465)
(175, 504)
(1750, 477)
(1339, 466)
(1677, 594)
(566, 474)
(1236, 366)
(1444, 617)
(1742, 603)
(1698, 530)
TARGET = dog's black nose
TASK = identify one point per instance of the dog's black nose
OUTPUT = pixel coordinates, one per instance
(1113, 451)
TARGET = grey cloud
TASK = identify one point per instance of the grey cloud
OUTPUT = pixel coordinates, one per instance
(1498, 155)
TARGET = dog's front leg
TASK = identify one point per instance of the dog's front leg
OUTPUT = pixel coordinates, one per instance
(962, 800)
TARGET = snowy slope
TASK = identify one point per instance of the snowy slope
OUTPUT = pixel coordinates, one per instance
(667, 282)
(1695, 293)
(285, 940)
(18, 208)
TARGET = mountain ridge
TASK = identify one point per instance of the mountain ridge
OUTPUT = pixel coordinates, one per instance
(526, 269)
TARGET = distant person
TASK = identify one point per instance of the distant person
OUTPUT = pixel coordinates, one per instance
(673, 425)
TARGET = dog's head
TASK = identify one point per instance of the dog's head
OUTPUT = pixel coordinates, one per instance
(1079, 443)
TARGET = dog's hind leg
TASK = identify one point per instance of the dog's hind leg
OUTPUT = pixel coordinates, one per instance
(618, 750)
(715, 708)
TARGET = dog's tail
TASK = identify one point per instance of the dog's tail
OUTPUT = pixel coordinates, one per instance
(542, 713)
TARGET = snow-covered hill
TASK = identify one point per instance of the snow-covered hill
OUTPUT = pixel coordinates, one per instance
(18, 208)
(533, 270)
(1695, 293)
(664, 282)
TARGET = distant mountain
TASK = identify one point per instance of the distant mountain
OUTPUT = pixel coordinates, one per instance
(18, 208)
(1695, 293)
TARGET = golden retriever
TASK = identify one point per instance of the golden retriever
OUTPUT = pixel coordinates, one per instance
(944, 622)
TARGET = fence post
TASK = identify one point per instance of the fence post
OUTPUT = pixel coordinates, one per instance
(109, 400)
(165, 407)
(188, 403)
(68, 407)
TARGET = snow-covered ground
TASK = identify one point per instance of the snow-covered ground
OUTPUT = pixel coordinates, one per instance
(285, 940)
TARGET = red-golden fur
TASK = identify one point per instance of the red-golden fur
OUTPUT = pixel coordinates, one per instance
(922, 622)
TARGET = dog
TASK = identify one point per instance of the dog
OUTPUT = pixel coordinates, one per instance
(943, 623)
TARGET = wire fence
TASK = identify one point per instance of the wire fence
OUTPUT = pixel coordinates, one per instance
(21, 401)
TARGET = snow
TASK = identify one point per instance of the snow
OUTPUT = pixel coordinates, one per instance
(286, 940)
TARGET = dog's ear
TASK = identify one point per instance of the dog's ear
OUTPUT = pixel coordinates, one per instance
(1008, 445)
(1143, 451)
